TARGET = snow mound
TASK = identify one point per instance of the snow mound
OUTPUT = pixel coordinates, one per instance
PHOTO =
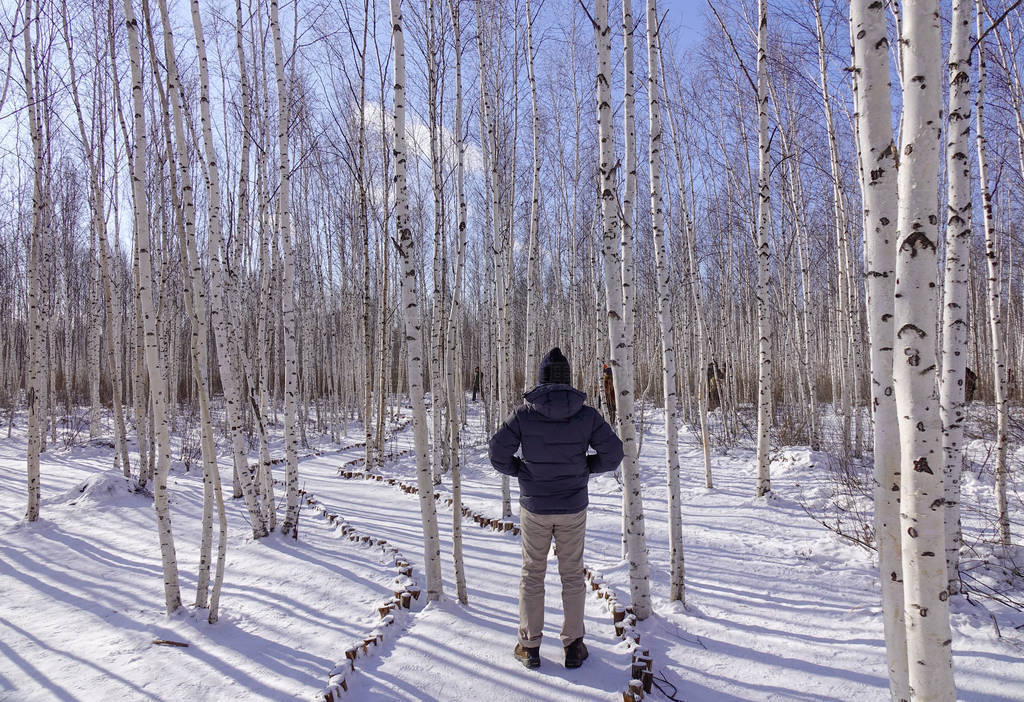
(108, 487)
(798, 459)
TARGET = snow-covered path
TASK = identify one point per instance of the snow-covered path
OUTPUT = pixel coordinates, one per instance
(778, 608)
(451, 652)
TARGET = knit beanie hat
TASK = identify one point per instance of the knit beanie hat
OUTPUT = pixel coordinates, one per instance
(554, 368)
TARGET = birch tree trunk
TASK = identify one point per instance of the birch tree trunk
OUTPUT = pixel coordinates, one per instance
(959, 227)
(104, 296)
(95, 327)
(764, 331)
(993, 300)
(454, 313)
(628, 206)
(922, 513)
(843, 323)
(533, 255)
(496, 339)
(139, 388)
(666, 304)
(413, 326)
(693, 273)
(154, 361)
(251, 376)
(226, 340)
(639, 574)
(877, 158)
(438, 387)
(291, 518)
(33, 379)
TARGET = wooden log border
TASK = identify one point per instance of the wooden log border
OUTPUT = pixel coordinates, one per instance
(405, 586)
(405, 590)
(641, 674)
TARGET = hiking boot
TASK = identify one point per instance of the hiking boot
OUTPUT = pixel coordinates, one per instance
(575, 653)
(530, 657)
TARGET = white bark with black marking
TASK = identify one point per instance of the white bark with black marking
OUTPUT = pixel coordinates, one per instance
(877, 159)
(636, 541)
(764, 330)
(994, 303)
(957, 277)
(413, 325)
(922, 502)
(666, 303)
(154, 360)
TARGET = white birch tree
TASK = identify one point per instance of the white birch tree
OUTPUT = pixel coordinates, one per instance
(993, 298)
(922, 502)
(146, 285)
(636, 540)
(291, 519)
(666, 304)
(959, 228)
(764, 331)
(412, 321)
(533, 254)
(33, 376)
(877, 159)
(454, 314)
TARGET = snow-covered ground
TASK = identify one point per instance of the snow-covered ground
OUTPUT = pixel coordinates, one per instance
(778, 607)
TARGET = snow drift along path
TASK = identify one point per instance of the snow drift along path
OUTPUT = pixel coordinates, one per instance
(81, 593)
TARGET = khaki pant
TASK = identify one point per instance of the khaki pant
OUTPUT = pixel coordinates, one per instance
(568, 531)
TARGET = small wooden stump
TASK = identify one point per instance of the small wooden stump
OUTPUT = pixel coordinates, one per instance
(637, 688)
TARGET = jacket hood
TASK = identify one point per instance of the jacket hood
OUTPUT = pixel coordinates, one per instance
(555, 400)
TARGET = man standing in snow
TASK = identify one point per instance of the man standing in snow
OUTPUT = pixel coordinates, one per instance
(554, 429)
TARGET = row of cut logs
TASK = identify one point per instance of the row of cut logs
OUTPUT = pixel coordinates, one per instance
(481, 519)
(641, 678)
(405, 590)
(623, 619)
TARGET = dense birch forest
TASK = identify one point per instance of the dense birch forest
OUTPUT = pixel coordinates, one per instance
(786, 223)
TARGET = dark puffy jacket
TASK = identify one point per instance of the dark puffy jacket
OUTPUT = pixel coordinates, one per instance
(554, 428)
